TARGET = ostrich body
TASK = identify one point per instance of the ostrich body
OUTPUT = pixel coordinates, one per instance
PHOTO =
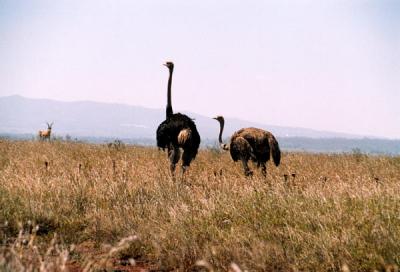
(251, 144)
(177, 131)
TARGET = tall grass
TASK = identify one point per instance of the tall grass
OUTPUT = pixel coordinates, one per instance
(315, 212)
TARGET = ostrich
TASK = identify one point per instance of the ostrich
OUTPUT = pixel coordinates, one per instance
(45, 134)
(177, 131)
(251, 143)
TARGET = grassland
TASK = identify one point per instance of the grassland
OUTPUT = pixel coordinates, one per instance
(92, 207)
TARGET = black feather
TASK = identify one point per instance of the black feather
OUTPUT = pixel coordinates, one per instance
(168, 131)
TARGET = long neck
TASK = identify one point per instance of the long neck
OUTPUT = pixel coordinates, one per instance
(169, 103)
(221, 129)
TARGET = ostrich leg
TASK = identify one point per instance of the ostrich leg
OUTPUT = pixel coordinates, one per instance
(246, 168)
(186, 159)
(264, 169)
(173, 154)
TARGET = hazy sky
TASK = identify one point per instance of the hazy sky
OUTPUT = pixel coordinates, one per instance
(328, 65)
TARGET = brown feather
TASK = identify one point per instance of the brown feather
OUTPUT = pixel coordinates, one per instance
(251, 144)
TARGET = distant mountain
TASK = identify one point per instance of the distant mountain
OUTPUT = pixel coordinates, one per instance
(21, 118)
(21, 115)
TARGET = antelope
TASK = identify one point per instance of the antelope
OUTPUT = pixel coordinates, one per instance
(45, 134)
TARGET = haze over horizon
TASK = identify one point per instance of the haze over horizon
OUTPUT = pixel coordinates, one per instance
(332, 65)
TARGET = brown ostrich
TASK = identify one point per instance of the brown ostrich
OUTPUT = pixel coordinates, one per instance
(251, 144)
(177, 131)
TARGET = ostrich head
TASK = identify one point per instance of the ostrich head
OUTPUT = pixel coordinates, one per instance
(220, 119)
(170, 65)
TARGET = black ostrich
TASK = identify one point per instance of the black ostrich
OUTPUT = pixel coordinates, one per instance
(251, 144)
(177, 131)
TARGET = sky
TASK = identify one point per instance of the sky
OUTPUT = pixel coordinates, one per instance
(327, 65)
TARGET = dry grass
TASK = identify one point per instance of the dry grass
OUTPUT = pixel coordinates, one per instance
(314, 212)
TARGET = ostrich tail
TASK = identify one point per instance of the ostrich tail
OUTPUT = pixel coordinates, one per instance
(184, 136)
(276, 152)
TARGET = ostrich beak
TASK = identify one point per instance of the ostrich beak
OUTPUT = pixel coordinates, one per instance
(215, 118)
(164, 64)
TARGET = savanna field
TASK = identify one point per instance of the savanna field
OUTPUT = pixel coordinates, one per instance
(84, 207)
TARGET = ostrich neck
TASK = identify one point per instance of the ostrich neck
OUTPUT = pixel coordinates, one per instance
(221, 124)
(169, 103)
